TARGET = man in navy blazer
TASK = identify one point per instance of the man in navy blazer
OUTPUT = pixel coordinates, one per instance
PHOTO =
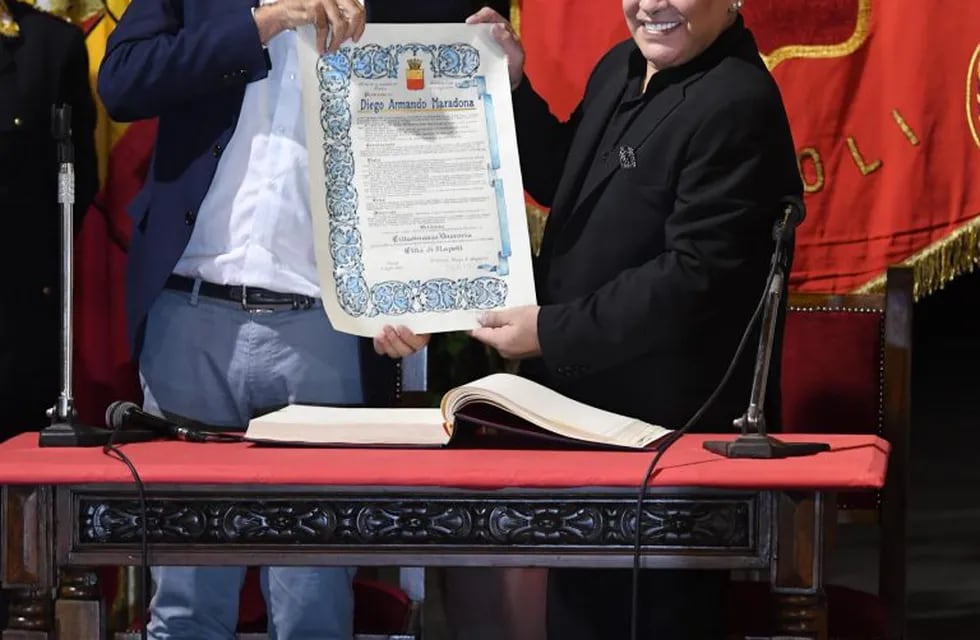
(188, 63)
(194, 80)
(223, 302)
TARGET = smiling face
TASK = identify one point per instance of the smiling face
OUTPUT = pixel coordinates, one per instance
(672, 32)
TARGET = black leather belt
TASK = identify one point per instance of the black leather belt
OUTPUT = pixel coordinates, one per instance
(251, 298)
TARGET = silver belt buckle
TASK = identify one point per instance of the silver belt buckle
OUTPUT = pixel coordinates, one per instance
(252, 309)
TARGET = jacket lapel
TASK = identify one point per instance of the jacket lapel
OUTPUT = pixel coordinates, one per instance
(656, 111)
(584, 146)
(645, 123)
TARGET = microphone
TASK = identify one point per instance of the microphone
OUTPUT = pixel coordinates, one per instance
(754, 440)
(122, 415)
(794, 211)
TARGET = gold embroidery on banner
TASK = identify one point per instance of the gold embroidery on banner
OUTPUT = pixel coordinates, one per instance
(814, 155)
(74, 11)
(939, 263)
(846, 48)
(536, 219)
(906, 129)
(515, 16)
(865, 168)
(8, 26)
(973, 90)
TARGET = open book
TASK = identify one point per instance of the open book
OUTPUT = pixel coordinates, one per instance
(499, 410)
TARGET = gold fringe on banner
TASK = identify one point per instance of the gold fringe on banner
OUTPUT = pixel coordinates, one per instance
(939, 263)
(536, 217)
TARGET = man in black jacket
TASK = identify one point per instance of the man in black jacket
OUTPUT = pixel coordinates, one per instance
(664, 187)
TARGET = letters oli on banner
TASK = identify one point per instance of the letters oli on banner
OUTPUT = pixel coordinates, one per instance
(796, 39)
(872, 117)
(841, 29)
(811, 161)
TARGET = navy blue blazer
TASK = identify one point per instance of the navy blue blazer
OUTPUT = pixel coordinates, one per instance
(186, 62)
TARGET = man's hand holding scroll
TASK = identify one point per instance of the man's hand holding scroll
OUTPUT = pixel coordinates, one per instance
(334, 20)
(512, 332)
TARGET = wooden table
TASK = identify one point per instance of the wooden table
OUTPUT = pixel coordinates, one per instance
(66, 511)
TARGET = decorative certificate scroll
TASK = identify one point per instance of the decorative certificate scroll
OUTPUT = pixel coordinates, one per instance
(416, 191)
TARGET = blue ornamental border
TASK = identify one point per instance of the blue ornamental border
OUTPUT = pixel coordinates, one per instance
(391, 297)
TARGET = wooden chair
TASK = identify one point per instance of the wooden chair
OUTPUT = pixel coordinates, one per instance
(846, 365)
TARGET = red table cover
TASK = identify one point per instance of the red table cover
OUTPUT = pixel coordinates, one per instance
(854, 462)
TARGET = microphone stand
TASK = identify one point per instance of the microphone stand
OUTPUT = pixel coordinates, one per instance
(754, 442)
(63, 430)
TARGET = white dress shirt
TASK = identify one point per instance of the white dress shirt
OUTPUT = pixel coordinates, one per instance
(254, 226)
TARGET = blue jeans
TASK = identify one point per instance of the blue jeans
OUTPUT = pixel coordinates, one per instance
(212, 361)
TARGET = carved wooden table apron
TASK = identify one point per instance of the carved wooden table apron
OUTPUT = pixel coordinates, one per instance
(53, 535)
(68, 510)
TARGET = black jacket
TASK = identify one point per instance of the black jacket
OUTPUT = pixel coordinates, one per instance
(651, 264)
(45, 65)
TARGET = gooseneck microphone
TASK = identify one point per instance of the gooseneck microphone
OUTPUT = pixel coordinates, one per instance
(124, 416)
(794, 211)
(754, 440)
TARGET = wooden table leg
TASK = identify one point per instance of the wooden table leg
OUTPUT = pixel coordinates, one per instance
(27, 549)
(29, 615)
(804, 523)
(79, 610)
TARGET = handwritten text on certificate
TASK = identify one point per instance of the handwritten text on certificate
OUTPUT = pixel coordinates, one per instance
(416, 193)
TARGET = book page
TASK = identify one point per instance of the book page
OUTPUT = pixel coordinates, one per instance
(304, 424)
(553, 411)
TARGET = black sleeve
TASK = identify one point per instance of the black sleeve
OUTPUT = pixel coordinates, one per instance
(542, 140)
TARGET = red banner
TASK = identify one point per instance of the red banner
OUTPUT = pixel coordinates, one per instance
(885, 112)
(104, 370)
